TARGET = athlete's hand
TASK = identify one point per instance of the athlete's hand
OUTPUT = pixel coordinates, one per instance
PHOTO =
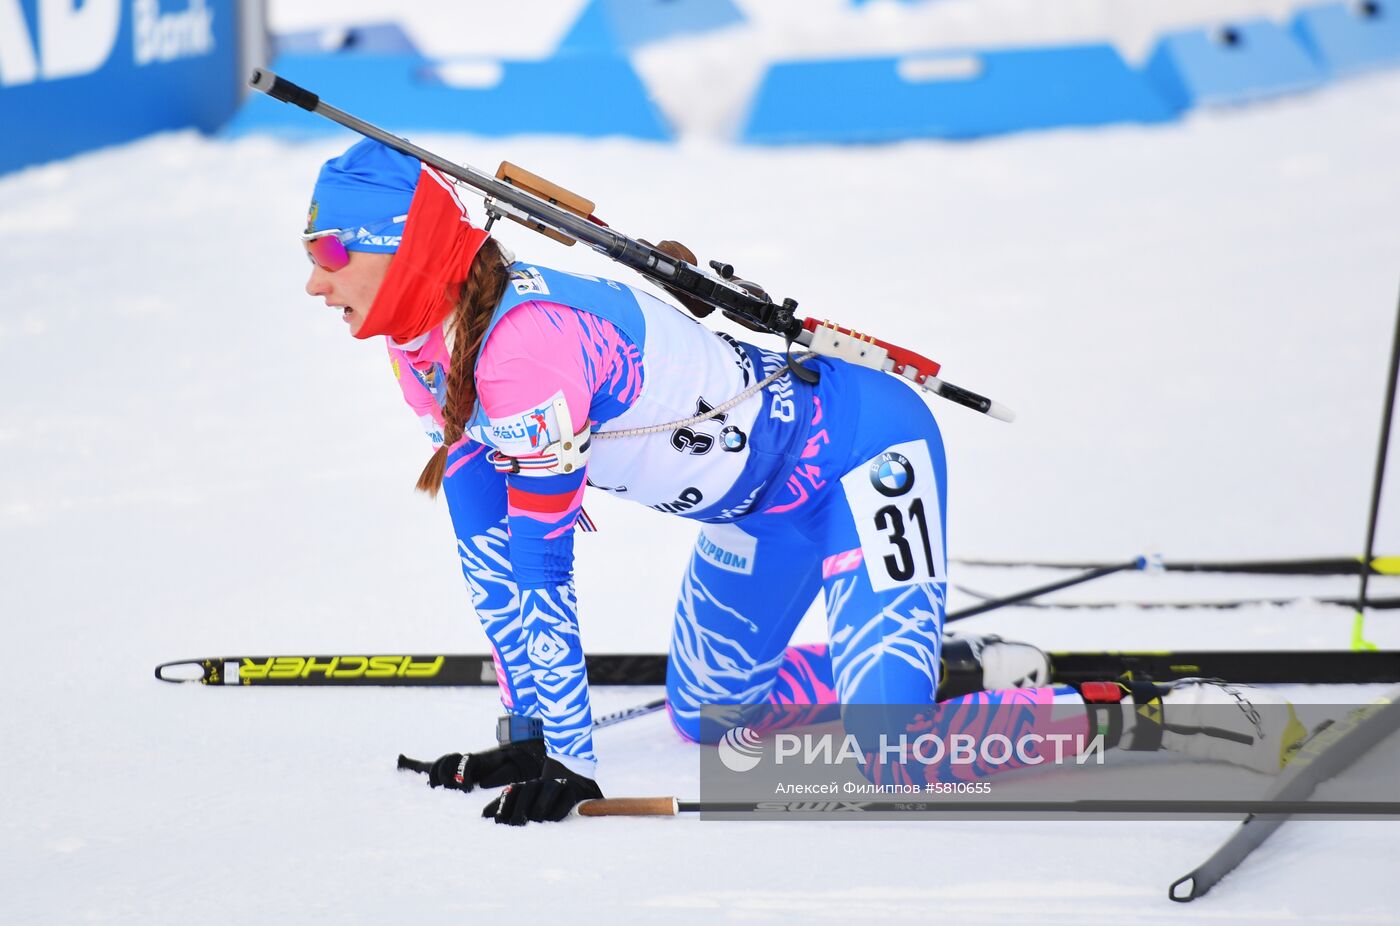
(549, 797)
(489, 768)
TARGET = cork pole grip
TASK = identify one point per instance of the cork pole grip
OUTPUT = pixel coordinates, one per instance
(628, 807)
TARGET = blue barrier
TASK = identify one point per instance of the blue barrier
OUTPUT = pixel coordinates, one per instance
(585, 95)
(1347, 39)
(621, 25)
(950, 95)
(77, 77)
(387, 38)
(1232, 64)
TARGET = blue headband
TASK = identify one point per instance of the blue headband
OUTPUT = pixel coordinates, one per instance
(366, 186)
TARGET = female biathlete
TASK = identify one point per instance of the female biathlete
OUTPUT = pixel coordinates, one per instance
(534, 383)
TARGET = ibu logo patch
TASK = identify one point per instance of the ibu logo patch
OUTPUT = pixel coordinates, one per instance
(528, 281)
(530, 431)
(891, 474)
(536, 427)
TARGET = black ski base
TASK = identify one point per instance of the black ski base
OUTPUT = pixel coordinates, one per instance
(1314, 667)
(1250, 667)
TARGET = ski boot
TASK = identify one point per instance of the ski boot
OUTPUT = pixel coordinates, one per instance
(1202, 718)
(986, 662)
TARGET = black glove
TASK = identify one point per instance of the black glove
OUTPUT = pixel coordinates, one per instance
(489, 768)
(549, 797)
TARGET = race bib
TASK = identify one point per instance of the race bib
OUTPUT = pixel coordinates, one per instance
(894, 500)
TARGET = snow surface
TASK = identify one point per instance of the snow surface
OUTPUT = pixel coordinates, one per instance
(1193, 322)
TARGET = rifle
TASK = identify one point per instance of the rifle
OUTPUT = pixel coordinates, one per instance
(566, 217)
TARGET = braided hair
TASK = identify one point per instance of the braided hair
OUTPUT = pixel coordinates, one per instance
(480, 295)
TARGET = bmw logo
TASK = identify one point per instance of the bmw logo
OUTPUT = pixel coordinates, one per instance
(733, 439)
(891, 474)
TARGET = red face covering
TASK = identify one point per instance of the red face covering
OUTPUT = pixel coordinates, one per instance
(424, 279)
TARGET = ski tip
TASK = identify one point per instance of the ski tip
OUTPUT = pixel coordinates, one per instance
(1386, 565)
(186, 670)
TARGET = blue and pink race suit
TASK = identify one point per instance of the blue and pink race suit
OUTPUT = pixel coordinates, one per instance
(837, 487)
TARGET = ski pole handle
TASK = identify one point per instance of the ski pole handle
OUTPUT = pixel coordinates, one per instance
(629, 807)
(414, 764)
(281, 89)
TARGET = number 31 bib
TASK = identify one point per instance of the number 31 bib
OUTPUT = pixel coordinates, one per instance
(894, 500)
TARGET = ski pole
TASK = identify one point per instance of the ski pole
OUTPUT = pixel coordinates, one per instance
(1383, 603)
(1358, 636)
(671, 806)
(1313, 566)
(1140, 563)
(1331, 749)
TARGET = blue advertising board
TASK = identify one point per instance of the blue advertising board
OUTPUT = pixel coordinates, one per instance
(622, 25)
(950, 95)
(1234, 63)
(1351, 38)
(80, 74)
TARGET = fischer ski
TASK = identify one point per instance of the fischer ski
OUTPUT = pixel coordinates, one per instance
(1313, 667)
(1331, 749)
(458, 670)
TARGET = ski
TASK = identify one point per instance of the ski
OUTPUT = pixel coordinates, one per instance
(1389, 602)
(1314, 566)
(1315, 667)
(442, 670)
(1250, 667)
(1330, 750)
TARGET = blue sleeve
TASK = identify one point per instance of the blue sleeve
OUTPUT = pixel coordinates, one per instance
(543, 510)
(476, 499)
(521, 579)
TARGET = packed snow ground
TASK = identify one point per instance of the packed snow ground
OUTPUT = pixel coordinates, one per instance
(1193, 322)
